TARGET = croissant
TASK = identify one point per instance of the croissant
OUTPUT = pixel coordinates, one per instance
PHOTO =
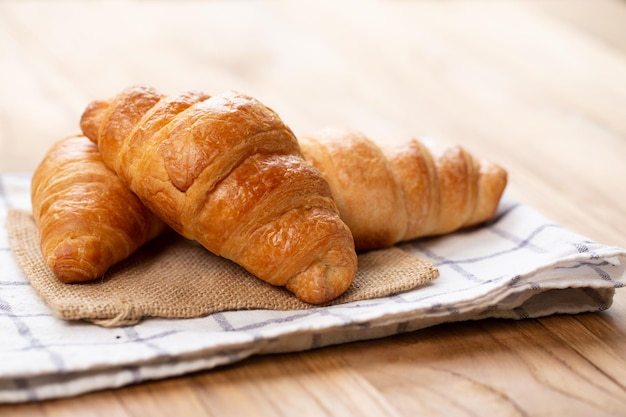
(87, 218)
(398, 193)
(227, 172)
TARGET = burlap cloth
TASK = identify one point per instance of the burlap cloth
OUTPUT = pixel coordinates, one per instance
(172, 277)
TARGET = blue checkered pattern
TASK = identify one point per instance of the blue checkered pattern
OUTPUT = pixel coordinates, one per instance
(521, 265)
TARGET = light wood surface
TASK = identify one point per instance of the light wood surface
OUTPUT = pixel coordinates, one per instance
(539, 86)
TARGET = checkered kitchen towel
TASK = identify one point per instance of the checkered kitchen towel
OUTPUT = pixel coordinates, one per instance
(520, 265)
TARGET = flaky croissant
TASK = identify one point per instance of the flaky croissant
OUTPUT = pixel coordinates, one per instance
(227, 172)
(393, 194)
(87, 218)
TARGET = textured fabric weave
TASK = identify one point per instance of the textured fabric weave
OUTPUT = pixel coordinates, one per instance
(520, 265)
(173, 277)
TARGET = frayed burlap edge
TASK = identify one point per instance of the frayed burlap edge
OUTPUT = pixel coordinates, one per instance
(172, 277)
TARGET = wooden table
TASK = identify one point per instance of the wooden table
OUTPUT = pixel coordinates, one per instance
(538, 86)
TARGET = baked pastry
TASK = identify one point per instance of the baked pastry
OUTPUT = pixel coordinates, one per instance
(227, 172)
(87, 218)
(398, 193)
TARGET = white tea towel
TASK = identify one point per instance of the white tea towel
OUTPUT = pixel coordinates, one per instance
(520, 265)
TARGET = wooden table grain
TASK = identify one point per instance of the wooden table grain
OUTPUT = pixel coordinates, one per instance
(539, 87)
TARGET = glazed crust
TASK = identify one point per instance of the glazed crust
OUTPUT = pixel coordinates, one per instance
(399, 193)
(87, 218)
(227, 172)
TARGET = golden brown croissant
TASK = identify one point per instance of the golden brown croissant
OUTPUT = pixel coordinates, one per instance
(227, 172)
(87, 218)
(403, 192)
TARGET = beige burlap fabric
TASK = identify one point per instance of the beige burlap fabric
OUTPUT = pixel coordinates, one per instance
(172, 277)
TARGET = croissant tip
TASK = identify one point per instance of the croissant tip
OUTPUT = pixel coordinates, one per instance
(70, 272)
(91, 119)
(67, 266)
(325, 279)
